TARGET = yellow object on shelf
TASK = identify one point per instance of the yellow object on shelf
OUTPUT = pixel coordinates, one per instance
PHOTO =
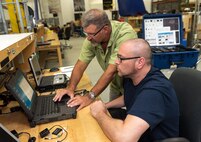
(15, 17)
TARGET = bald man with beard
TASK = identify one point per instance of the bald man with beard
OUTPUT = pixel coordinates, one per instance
(152, 111)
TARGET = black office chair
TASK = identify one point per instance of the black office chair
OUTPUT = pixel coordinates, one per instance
(67, 34)
(187, 84)
(61, 33)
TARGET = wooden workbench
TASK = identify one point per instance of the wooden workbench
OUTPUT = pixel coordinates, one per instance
(54, 45)
(17, 47)
(82, 129)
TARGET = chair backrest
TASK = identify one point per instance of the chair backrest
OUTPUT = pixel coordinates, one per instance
(60, 33)
(67, 32)
(187, 84)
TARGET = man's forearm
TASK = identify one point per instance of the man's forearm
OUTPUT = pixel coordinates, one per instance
(113, 131)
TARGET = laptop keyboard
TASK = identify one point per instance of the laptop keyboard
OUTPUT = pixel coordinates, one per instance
(47, 80)
(49, 106)
(177, 48)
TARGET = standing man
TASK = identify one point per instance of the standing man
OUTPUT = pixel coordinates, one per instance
(152, 111)
(103, 40)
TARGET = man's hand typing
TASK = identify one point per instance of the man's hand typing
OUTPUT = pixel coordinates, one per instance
(61, 92)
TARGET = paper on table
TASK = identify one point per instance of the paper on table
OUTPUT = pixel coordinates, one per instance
(66, 70)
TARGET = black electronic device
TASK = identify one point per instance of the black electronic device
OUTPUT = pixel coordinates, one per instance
(32, 139)
(44, 133)
(6, 135)
(14, 132)
(6, 97)
(39, 109)
(56, 131)
(54, 69)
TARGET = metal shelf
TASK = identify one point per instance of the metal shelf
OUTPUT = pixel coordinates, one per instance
(164, 6)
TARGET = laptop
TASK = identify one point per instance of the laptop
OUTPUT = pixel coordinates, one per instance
(46, 83)
(163, 32)
(6, 135)
(39, 109)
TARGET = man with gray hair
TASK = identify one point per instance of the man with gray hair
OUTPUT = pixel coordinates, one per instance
(152, 110)
(102, 41)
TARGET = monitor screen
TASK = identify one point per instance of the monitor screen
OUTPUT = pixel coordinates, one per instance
(22, 89)
(35, 67)
(162, 31)
(6, 135)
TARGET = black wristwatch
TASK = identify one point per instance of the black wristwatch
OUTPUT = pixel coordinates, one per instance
(92, 95)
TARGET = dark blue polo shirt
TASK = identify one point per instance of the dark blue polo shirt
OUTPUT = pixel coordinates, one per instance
(154, 100)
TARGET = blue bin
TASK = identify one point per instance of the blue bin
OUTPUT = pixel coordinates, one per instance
(181, 59)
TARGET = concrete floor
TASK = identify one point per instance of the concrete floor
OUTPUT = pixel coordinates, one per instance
(94, 71)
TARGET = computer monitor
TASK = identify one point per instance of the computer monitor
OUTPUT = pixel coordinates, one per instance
(163, 29)
(6, 135)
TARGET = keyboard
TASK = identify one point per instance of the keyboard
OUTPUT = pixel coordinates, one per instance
(49, 106)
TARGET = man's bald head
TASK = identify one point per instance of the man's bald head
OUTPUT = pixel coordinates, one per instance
(137, 47)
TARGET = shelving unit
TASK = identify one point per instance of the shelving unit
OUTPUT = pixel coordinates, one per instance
(18, 16)
(190, 5)
(135, 22)
(165, 5)
(196, 30)
(187, 7)
(169, 5)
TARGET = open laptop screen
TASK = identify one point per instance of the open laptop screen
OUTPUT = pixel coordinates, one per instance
(22, 89)
(35, 67)
(162, 31)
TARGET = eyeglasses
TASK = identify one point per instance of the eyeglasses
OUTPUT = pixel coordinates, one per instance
(129, 58)
(94, 34)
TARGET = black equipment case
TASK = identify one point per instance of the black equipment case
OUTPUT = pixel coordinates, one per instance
(164, 32)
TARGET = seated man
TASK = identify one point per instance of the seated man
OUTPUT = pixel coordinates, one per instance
(78, 27)
(150, 100)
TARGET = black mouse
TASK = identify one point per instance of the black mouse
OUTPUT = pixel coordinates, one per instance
(32, 139)
(54, 69)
